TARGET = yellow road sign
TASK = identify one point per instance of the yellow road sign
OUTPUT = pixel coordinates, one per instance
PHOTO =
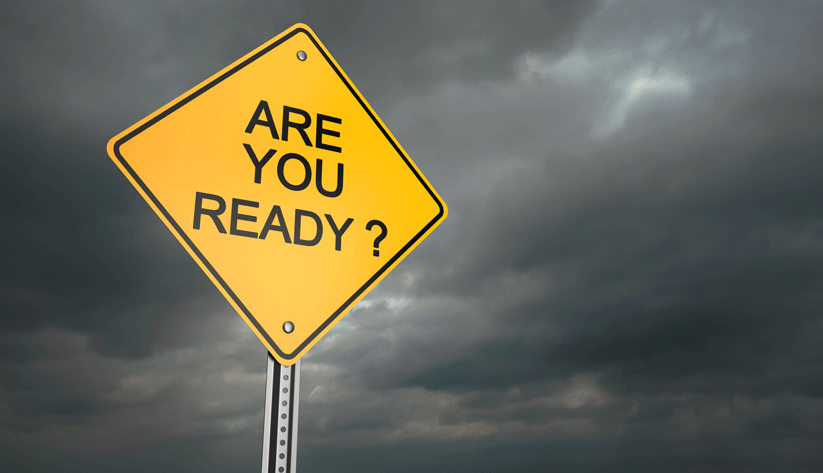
(284, 186)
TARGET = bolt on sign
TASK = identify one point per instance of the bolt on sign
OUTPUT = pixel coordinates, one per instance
(284, 186)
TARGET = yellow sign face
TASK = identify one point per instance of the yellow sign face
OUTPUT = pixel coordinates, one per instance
(284, 186)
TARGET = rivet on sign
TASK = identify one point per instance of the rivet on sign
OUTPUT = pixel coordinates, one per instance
(288, 327)
(282, 429)
(301, 55)
(282, 456)
(282, 442)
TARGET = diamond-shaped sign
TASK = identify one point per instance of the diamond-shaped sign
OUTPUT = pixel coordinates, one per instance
(284, 186)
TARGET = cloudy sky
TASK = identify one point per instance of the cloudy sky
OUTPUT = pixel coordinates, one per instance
(630, 277)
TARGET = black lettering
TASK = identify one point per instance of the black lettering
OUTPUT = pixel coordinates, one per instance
(263, 107)
(280, 227)
(325, 131)
(300, 127)
(199, 210)
(281, 167)
(298, 215)
(319, 182)
(258, 164)
(236, 215)
(338, 234)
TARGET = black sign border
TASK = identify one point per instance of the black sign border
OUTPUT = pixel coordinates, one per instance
(194, 94)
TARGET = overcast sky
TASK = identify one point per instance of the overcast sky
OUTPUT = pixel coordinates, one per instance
(630, 277)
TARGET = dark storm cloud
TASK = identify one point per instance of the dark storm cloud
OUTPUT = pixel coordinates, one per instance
(698, 251)
(680, 257)
(629, 278)
(77, 248)
(691, 257)
(417, 44)
(684, 233)
(106, 57)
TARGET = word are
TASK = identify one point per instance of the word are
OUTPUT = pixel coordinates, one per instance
(320, 130)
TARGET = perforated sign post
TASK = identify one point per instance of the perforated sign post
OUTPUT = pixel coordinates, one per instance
(286, 188)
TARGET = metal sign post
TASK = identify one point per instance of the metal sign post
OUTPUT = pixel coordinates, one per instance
(280, 423)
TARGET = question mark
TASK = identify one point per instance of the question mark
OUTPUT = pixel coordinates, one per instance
(380, 237)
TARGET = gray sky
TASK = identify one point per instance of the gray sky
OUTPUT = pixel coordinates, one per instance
(630, 277)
